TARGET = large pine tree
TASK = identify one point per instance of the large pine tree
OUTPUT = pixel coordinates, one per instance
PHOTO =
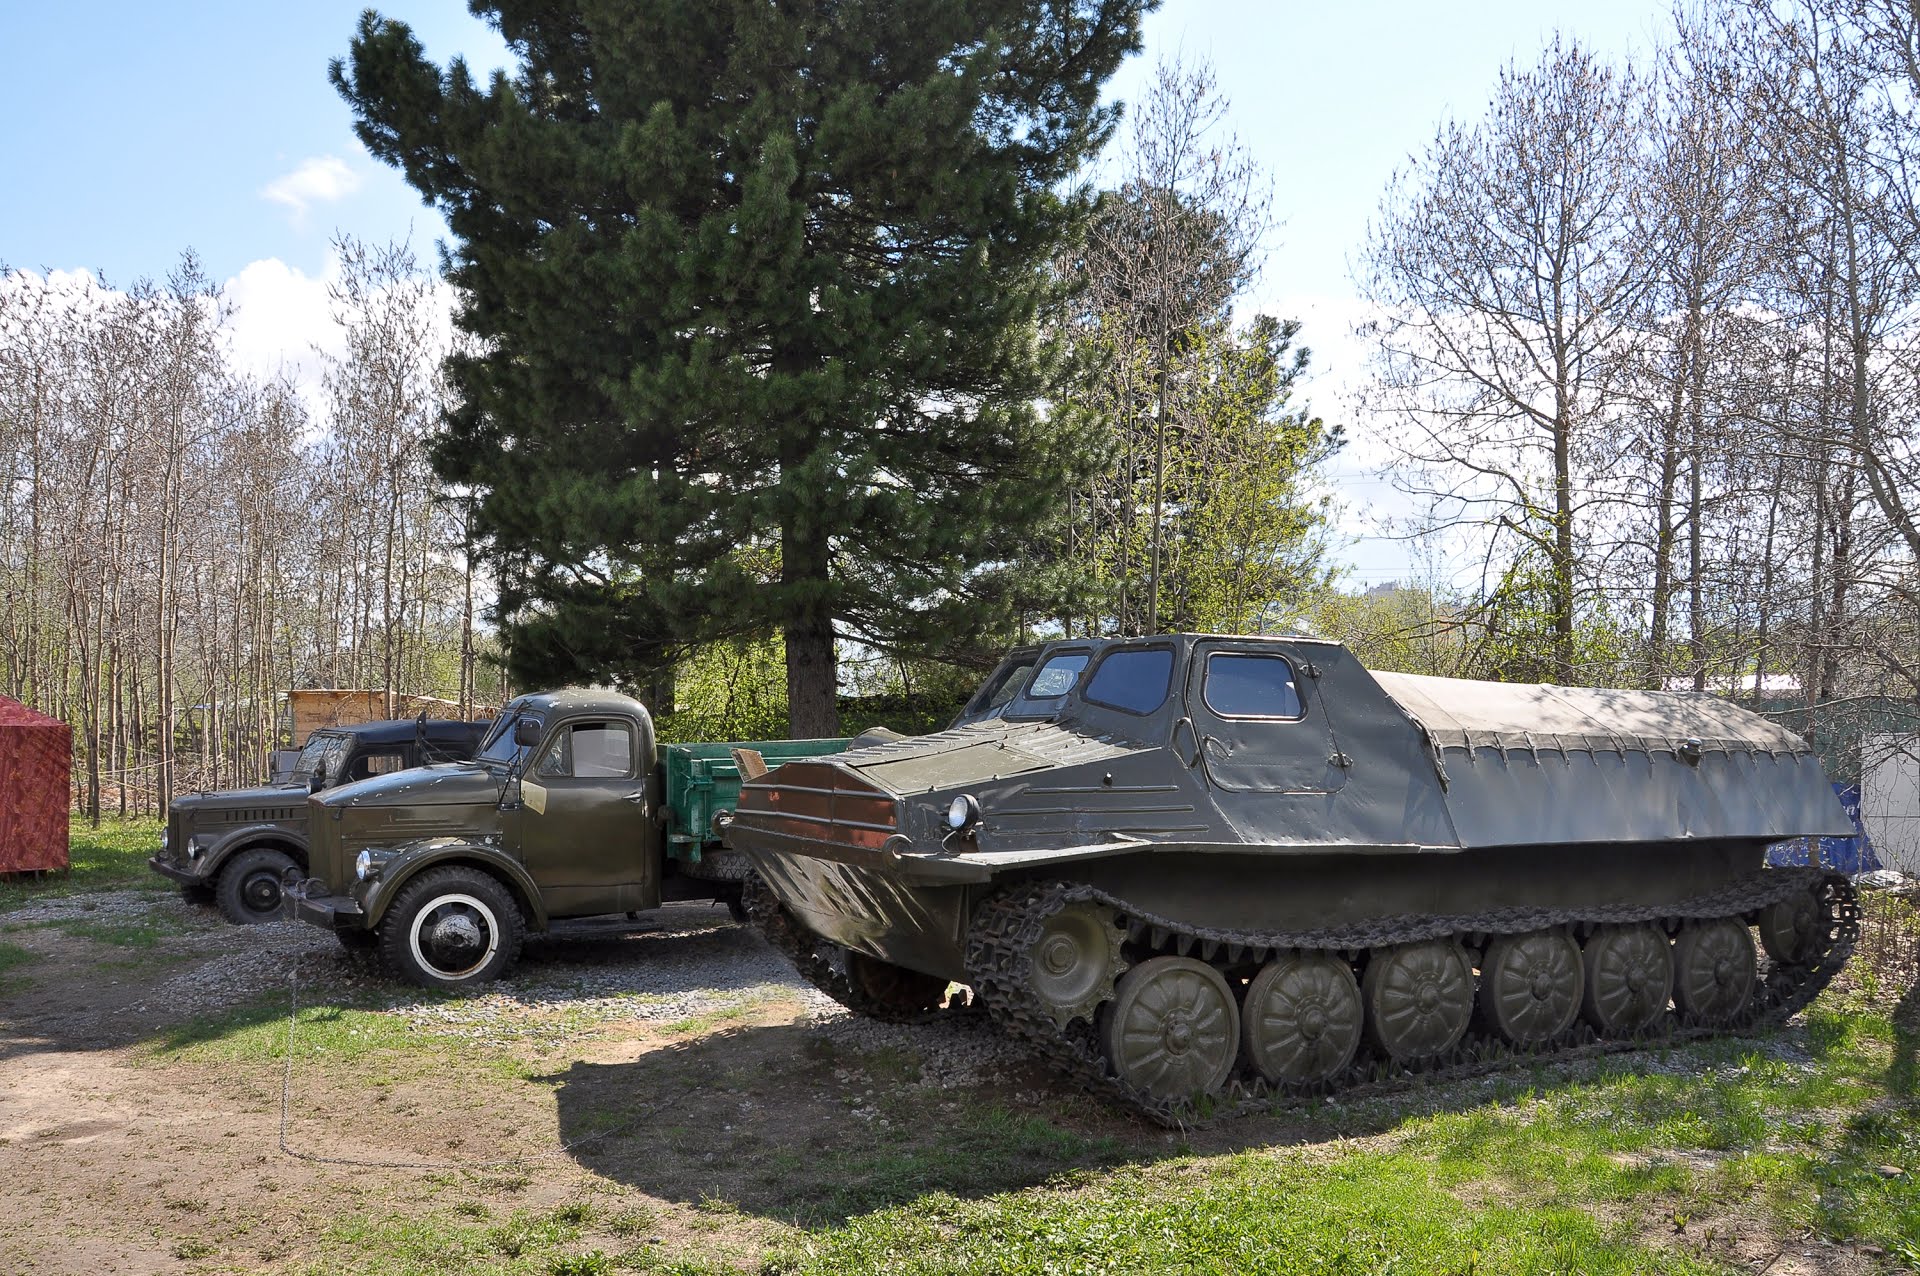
(753, 286)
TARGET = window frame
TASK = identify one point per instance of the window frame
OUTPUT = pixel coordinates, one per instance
(562, 738)
(1027, 707)
(1092, 671)
(1293, 671)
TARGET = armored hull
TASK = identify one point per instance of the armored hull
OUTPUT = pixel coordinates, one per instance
(1193, 865)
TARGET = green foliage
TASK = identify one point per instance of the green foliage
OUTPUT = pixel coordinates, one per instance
(1243, 539)
(752, 275)
(1400, 629)
(1243, 534)
(1514, 635)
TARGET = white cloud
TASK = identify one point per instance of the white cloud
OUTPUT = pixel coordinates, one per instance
(281, 321)
(320, 180)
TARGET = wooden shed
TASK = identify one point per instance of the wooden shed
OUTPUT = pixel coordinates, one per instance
(311, 708)
(36, 793)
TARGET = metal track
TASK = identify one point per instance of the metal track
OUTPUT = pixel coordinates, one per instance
(1001, 940)
(817, 960)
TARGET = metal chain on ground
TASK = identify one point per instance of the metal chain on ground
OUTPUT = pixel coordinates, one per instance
(1001, 941)
(367, 1163)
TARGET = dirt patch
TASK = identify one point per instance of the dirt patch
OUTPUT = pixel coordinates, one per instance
(653, 1086)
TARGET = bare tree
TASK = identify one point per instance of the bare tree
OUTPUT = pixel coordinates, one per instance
(1506, 268)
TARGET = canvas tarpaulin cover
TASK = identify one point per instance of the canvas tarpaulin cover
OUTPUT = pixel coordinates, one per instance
(1462, 714)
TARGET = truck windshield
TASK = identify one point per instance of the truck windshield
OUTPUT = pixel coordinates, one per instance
(499, 745)
(324, 753)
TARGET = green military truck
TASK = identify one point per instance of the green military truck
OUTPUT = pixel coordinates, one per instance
(568, 808)
(231, 847)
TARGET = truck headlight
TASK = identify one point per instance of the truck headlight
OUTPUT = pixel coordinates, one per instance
(166, 839)
(963, 813)
(194, 848)
(368, 863)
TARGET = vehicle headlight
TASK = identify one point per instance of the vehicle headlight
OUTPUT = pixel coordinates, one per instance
(194, 848)
(368, 864)
(166, 839)
(963, 813)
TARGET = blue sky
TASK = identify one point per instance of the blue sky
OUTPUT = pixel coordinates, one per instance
(135, 131)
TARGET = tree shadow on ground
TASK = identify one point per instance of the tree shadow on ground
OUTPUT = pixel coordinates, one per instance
(818, 1121)
(1903, 1078)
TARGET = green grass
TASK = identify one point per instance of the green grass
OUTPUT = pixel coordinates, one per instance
(1644, 1163)
(111, 857)
(12, 957)
(1636, 1169)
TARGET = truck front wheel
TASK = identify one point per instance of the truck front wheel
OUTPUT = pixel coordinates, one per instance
(249, 888)
(452, 928)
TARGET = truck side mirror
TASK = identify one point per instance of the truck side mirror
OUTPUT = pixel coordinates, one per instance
(318, 780)
(526, 732)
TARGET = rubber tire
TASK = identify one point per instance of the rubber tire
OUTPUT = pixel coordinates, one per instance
(230, 891)
(425, 892)
(358, 941)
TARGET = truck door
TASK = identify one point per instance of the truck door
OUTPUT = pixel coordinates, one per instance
(1261, 723)
(583, 819)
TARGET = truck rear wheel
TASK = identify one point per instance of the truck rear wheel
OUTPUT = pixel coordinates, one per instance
(452, 928)
(249, 888)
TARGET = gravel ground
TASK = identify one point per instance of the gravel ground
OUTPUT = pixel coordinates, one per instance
(677, 963)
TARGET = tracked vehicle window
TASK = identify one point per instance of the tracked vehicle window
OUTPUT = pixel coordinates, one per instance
(1055, 678)
(1248, 686)
(1000, 690)
(589, 751)
(1135, 681)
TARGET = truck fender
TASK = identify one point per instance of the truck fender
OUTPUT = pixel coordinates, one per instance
(249, 836)
(414, 858)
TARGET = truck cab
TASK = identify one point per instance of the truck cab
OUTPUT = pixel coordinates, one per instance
(563, 811)
(231, 847)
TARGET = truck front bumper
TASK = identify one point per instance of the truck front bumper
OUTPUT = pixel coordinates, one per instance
(185, 874)
(308, 901)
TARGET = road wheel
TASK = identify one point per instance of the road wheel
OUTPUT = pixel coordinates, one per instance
(1790, 929)
(1530, 985)
(249, 888)
(1419, 998)
(889, 990)
(1302, 1019)
(1713, 971)
(1629, 972)
(452, 928)
(1174, 1029)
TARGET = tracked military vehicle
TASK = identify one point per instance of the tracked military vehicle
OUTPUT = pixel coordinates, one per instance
(1200, 869)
